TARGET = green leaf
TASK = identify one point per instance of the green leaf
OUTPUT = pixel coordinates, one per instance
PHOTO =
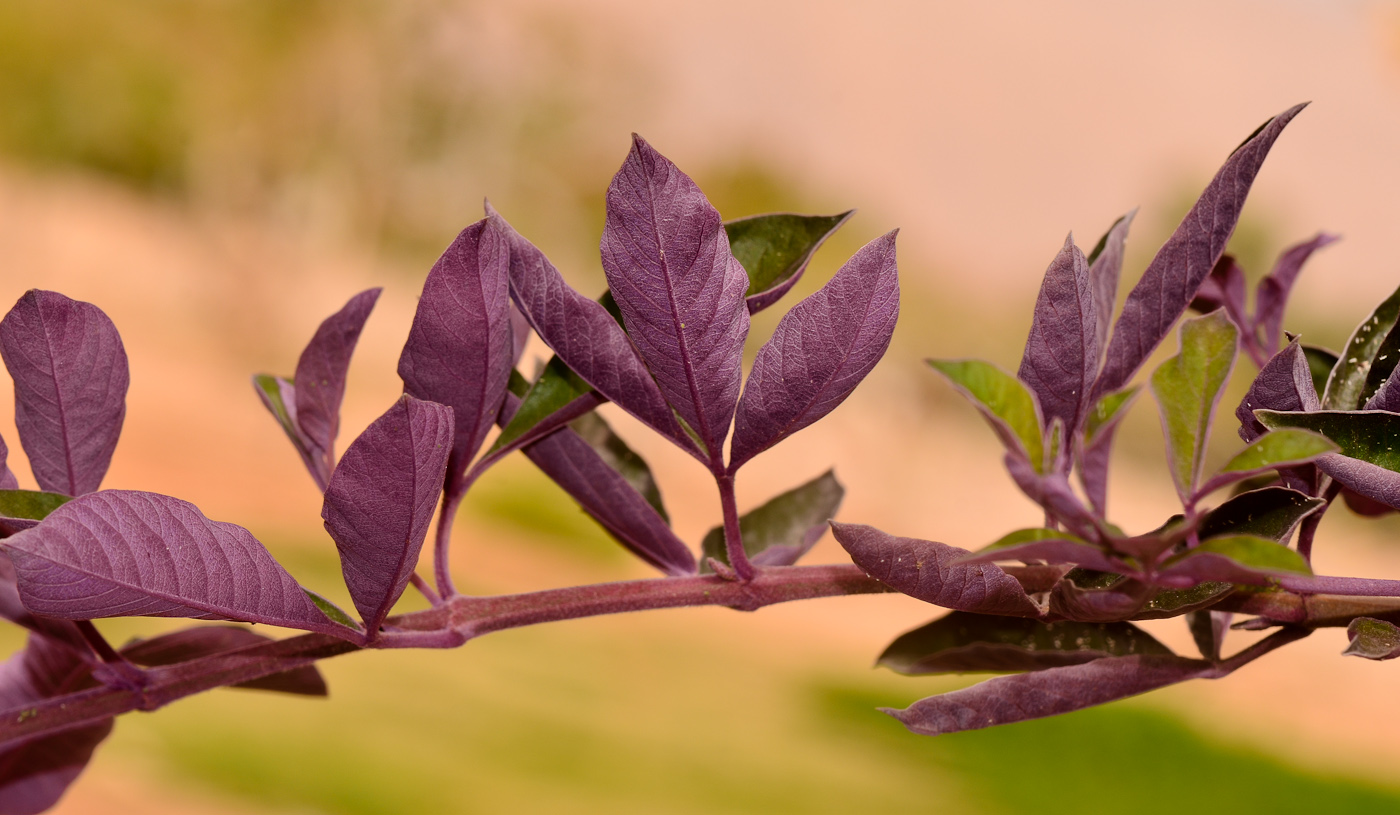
(1107, 411)
(30, 504)
(1373, 639)
(1270, 512)
(1242, 554)
(271, 389)
(1187, 387)
(1372, 436)
(774, 249)
(1320, 365)
(332, 611)
(1280, 448)
(1346, 386)
(1176, 602)
(782, 530)
(1003, 400)
(556, 387)
(963, 642)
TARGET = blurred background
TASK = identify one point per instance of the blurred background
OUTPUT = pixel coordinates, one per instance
(219, 176)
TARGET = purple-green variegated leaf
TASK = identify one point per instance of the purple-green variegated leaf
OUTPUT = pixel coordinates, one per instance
(679, 288)
(1284, 383)
(121, 553)
(381, 499)
(820, 351)
(1248, 559)
(460, 347)
(981, 643)
(216, 640)
(1049, 545)
(1105, 268)
(1347, 383)
(1004, 401)
(1373, 639)
(1184, 261)
(1062, 352)
(1018, 698)
(1187, 387)
(1100, 427)
(929, 571)
(1224, 288)
(35, 772)
(1271, 295)
(774, 250)
(70, 374)
(280, 398)
(1278, 450)
(784, 528)
(586, 337)
(1269, 512)
(320, 377)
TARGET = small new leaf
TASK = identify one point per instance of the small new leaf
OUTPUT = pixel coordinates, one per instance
(1187, 387)
(775, 249)
(1373, 639)
(782, 530)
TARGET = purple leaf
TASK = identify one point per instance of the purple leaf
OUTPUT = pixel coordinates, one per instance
(381, 498)
(320, 378)
(1271, 295)
(1224, 288)
(35, 772)
(280, 398)
(1062, 352)
(930, 571)
(1049, 545)
(820, 351)
(214, 640)
(70, 375)
(1364, 478)
(1184, 261)
(460, 347)
(7, 476)
(1122, 600)
(589, 341)
(120, 553)
(1020, 697)
(680, 290)
(1284, 383)
(519, 335)
(1100, 427)
(12, 609)
(1105, 267)
(1053, 492)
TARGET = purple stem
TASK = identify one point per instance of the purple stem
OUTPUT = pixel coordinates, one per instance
(425, 589)
(442, 543)
(733, 540)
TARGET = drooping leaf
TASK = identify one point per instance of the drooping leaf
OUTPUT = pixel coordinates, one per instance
(460, 347)
(1004, 401)
(1373, 639)
(929, 571)
(1049, 545)
(1224, 288)
(21, 509)
(782, 530)
(1346, 385)
(381, 499)
(1320, 365)
(1062, 352)
(775, 249)
(1105, 268)
(1270, 512)
(1184, 261)
(1271, 295)
(122, 553)
(1208, 629)
(680, 290)
(1187, 387)
(557, 397)
(1235, 559)
(213, 640)
(1284, 383)
(320, 377)
(586, 337)
(819, 352)
(35, 772)
(71, 376)
(980, 643)
(1277, 450)
(1168, 603)
(1017, 698)
(1100, 428)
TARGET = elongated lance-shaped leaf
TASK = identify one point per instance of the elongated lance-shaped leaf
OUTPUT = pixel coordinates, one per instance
(981, 643)
(1269, 512)
(320, 377)
(215, 640)
(1004, 401)
(460, 347)
(1184, 261)
(34, 773)
(774, 250)
(1062, 352)
(1105, 268)
(71, 376)
(1049, 545)
(1372, 436)
(381, 499)
(1373, 639)
(784, 528)
(929, 571)
(820, 351)
(1234, 559)
(1017, 698)
(680, 290)
(520, 332)
(1099, 429)
(1271, 295)
(21, 509)
(1224, 288)
(280, 398)
(123, 553)
(586, 337)
(7, 476)
(1321, 362)
(1284, 383)
(611, 483)
(1187, 387)
(1346, 385)
(557, 397)
(1273, 451)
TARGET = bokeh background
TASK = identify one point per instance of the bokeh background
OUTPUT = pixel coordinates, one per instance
(219, 176)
